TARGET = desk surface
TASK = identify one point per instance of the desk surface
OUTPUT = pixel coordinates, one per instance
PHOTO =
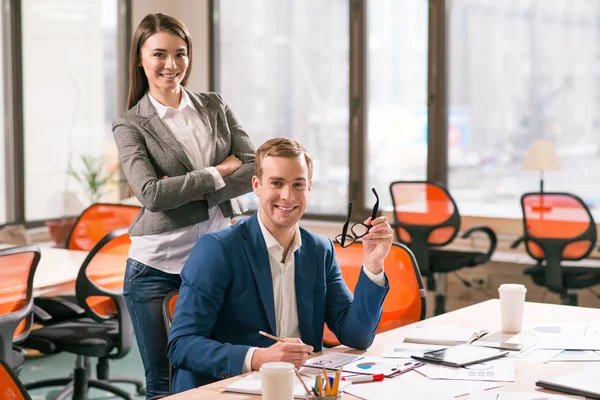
(58, 268)
(484, 315)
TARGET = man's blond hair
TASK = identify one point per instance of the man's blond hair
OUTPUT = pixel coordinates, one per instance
(281, 147)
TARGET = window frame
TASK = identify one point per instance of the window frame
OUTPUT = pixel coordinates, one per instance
(14, 136)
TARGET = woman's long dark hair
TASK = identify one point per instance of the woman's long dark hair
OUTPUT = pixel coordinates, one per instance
(151, 24)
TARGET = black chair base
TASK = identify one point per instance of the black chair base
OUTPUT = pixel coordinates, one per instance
(79, 384)
(440, 304)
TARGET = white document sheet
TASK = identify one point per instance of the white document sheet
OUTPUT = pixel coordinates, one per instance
(577, 355)
(495, 370)
(539, 356)
(583, 328)
(488, 395)
(405, 350)
(570, 342)
(416, 389)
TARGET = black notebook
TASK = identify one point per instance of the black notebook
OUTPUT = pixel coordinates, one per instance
(583, 383)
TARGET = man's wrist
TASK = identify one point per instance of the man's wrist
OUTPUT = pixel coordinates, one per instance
(256, 361)
(374, 267)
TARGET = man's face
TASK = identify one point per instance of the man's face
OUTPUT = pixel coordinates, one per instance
(283, 191)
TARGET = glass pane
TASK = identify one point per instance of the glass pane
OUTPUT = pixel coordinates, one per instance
(520, 71)
(69, 90)
(397, 93)
(279, 82)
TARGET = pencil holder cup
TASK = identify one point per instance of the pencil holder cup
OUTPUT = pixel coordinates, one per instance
(313, 397)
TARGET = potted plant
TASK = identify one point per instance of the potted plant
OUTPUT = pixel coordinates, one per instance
(95, 179)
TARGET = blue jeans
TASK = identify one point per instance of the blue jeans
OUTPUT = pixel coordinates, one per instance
(144, 289)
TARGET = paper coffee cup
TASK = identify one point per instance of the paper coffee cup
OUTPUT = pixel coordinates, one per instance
(512, 302)
(277, 381)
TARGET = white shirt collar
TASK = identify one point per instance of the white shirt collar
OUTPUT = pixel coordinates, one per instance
(271, 242)
(162, 109)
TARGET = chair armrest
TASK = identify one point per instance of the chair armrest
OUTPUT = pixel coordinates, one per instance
(50, 303)
(490, 234)
(41, 315)
(517, 242)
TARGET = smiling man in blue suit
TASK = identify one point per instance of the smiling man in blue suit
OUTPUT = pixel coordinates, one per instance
(268, 274)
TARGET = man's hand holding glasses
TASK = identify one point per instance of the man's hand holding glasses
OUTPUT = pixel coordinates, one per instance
(376, 234)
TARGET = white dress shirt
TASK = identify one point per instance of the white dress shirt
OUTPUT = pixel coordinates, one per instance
(169, 251)
(284, 287)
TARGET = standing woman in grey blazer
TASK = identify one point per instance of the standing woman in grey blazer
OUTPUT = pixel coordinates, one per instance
(187, 160)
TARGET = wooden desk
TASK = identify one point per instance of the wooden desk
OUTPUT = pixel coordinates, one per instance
(484, 315)
(57, 270)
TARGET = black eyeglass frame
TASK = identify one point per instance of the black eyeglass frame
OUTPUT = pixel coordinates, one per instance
(345, 239)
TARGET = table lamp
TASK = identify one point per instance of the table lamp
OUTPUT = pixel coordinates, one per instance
(541, 156)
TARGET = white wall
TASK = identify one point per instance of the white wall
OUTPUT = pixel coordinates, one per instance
(195, 15)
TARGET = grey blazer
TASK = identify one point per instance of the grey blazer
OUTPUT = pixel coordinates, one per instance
(148, 151)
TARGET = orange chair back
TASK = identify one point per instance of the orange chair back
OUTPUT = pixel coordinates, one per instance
(97, 221)
(106, 269)
(18, 266)
(169, 308)
(405, 301)
(558, 216)
(10, 386)
(424, 204)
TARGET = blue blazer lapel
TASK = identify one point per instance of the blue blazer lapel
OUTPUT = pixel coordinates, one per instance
(306, 265)
(258, 257)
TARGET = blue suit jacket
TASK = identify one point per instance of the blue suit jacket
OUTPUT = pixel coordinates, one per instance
(226, 297)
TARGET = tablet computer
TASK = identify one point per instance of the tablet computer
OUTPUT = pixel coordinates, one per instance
(461, 355)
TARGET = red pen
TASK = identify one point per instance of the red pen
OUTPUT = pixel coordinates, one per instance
(364, 378)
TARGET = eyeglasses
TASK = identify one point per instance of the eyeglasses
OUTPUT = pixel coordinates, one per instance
(359, 229)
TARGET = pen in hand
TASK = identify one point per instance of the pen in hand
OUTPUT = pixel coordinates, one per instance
(275, 338)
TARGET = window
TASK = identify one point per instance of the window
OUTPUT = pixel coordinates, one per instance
(284, 70)
(519, 71)
(69, 99)
(397, 94)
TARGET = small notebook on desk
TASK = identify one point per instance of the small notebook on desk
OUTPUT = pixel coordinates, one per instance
(444, 335)
(583, 383)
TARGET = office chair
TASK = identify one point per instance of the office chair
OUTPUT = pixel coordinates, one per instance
(93, 224)
(405, 302)
(426, 218)
(168, 310)
(558, 227)
(11, 387)
(18, 265)
(106, 333)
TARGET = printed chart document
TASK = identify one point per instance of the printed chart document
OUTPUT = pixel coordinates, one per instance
(582, 383)
(497, 370)
(416, 389)
(567, 335)
(373, 365)
(487, 395)
(252, 385)
(577, 355)
(405, 350)
(443, 335)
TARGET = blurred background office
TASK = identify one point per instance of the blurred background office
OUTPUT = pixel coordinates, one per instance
(379, 90)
